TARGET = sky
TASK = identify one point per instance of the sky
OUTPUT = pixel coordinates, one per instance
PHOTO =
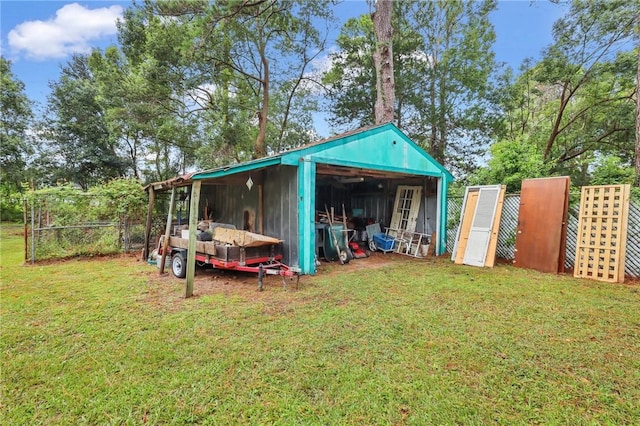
(40, 36)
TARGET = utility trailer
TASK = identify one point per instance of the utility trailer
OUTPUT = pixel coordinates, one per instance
(233, 250)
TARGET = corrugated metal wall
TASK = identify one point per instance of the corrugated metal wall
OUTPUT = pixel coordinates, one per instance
(280, 197)
(228, 203)
(379, 206)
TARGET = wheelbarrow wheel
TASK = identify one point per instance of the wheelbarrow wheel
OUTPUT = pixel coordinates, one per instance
(344, 256)
(372, 245)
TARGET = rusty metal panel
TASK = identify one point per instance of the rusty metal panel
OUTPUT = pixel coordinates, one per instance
(542, 224)
(281, 209)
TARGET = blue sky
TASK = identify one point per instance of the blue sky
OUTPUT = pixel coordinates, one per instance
(39, 36)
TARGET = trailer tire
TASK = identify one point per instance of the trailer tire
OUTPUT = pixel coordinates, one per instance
(178, 265)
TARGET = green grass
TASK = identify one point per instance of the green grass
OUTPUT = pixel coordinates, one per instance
(418, 342)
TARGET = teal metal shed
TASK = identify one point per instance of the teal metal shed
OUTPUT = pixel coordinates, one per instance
(280, 195)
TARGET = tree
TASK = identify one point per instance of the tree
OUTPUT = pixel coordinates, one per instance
(208, 83)
(15, 147)
(14, 121)
(511, 162)
(383, 61)
(78, 147)
(576, 105)
(351, 81)
(443, 71)
(586, 39)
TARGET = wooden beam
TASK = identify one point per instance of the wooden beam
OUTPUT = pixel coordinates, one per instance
(147, 228)
(328, 170)
(193, 223)
(167, 231)
(206, 247)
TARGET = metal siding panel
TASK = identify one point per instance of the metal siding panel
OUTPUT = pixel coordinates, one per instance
(281, 212)
(228, 203)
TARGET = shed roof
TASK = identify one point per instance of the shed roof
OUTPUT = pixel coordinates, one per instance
(382, 147)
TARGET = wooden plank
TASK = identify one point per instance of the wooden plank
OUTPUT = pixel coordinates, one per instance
(206, 247)
(602, 233)
(191, 251)
(465, 225)
(167, 231)
(542, 224)
(242, 238)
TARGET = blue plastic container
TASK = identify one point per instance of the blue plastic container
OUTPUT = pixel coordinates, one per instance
(384, 242)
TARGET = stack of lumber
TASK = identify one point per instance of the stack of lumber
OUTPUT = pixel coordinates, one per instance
(241, 238)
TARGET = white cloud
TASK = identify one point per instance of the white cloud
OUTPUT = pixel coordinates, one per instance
(72, 30)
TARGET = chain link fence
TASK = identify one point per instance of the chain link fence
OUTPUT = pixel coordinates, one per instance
(56, 228)
(509, 224)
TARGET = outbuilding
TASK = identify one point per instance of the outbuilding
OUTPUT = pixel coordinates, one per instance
(375, 174)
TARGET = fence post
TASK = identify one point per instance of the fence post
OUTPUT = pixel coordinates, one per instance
(126, 234)
(26, 229)
(33, 233)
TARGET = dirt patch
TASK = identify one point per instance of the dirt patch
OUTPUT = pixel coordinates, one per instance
(168, 293)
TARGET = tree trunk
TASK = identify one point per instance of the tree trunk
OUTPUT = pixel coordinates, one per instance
(637, 182)
(259, 149)
(383, 61)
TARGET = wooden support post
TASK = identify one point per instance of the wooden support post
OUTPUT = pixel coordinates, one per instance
(167, 231)
(193, 224)
(147, 228)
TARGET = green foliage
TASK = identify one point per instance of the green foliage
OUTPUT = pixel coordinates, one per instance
(121, 198)
(511, 162)
(72, 222)
(205, 84)
(11, 206)
(577, 103)
(610, 170)
(79, 147)
(15, 119)
(67, 204)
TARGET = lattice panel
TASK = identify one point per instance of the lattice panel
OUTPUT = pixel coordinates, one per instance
(602, 233)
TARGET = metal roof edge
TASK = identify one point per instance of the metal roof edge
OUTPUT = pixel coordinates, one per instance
(238, 168)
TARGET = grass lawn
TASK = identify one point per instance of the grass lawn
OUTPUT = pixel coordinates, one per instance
(106, 341)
